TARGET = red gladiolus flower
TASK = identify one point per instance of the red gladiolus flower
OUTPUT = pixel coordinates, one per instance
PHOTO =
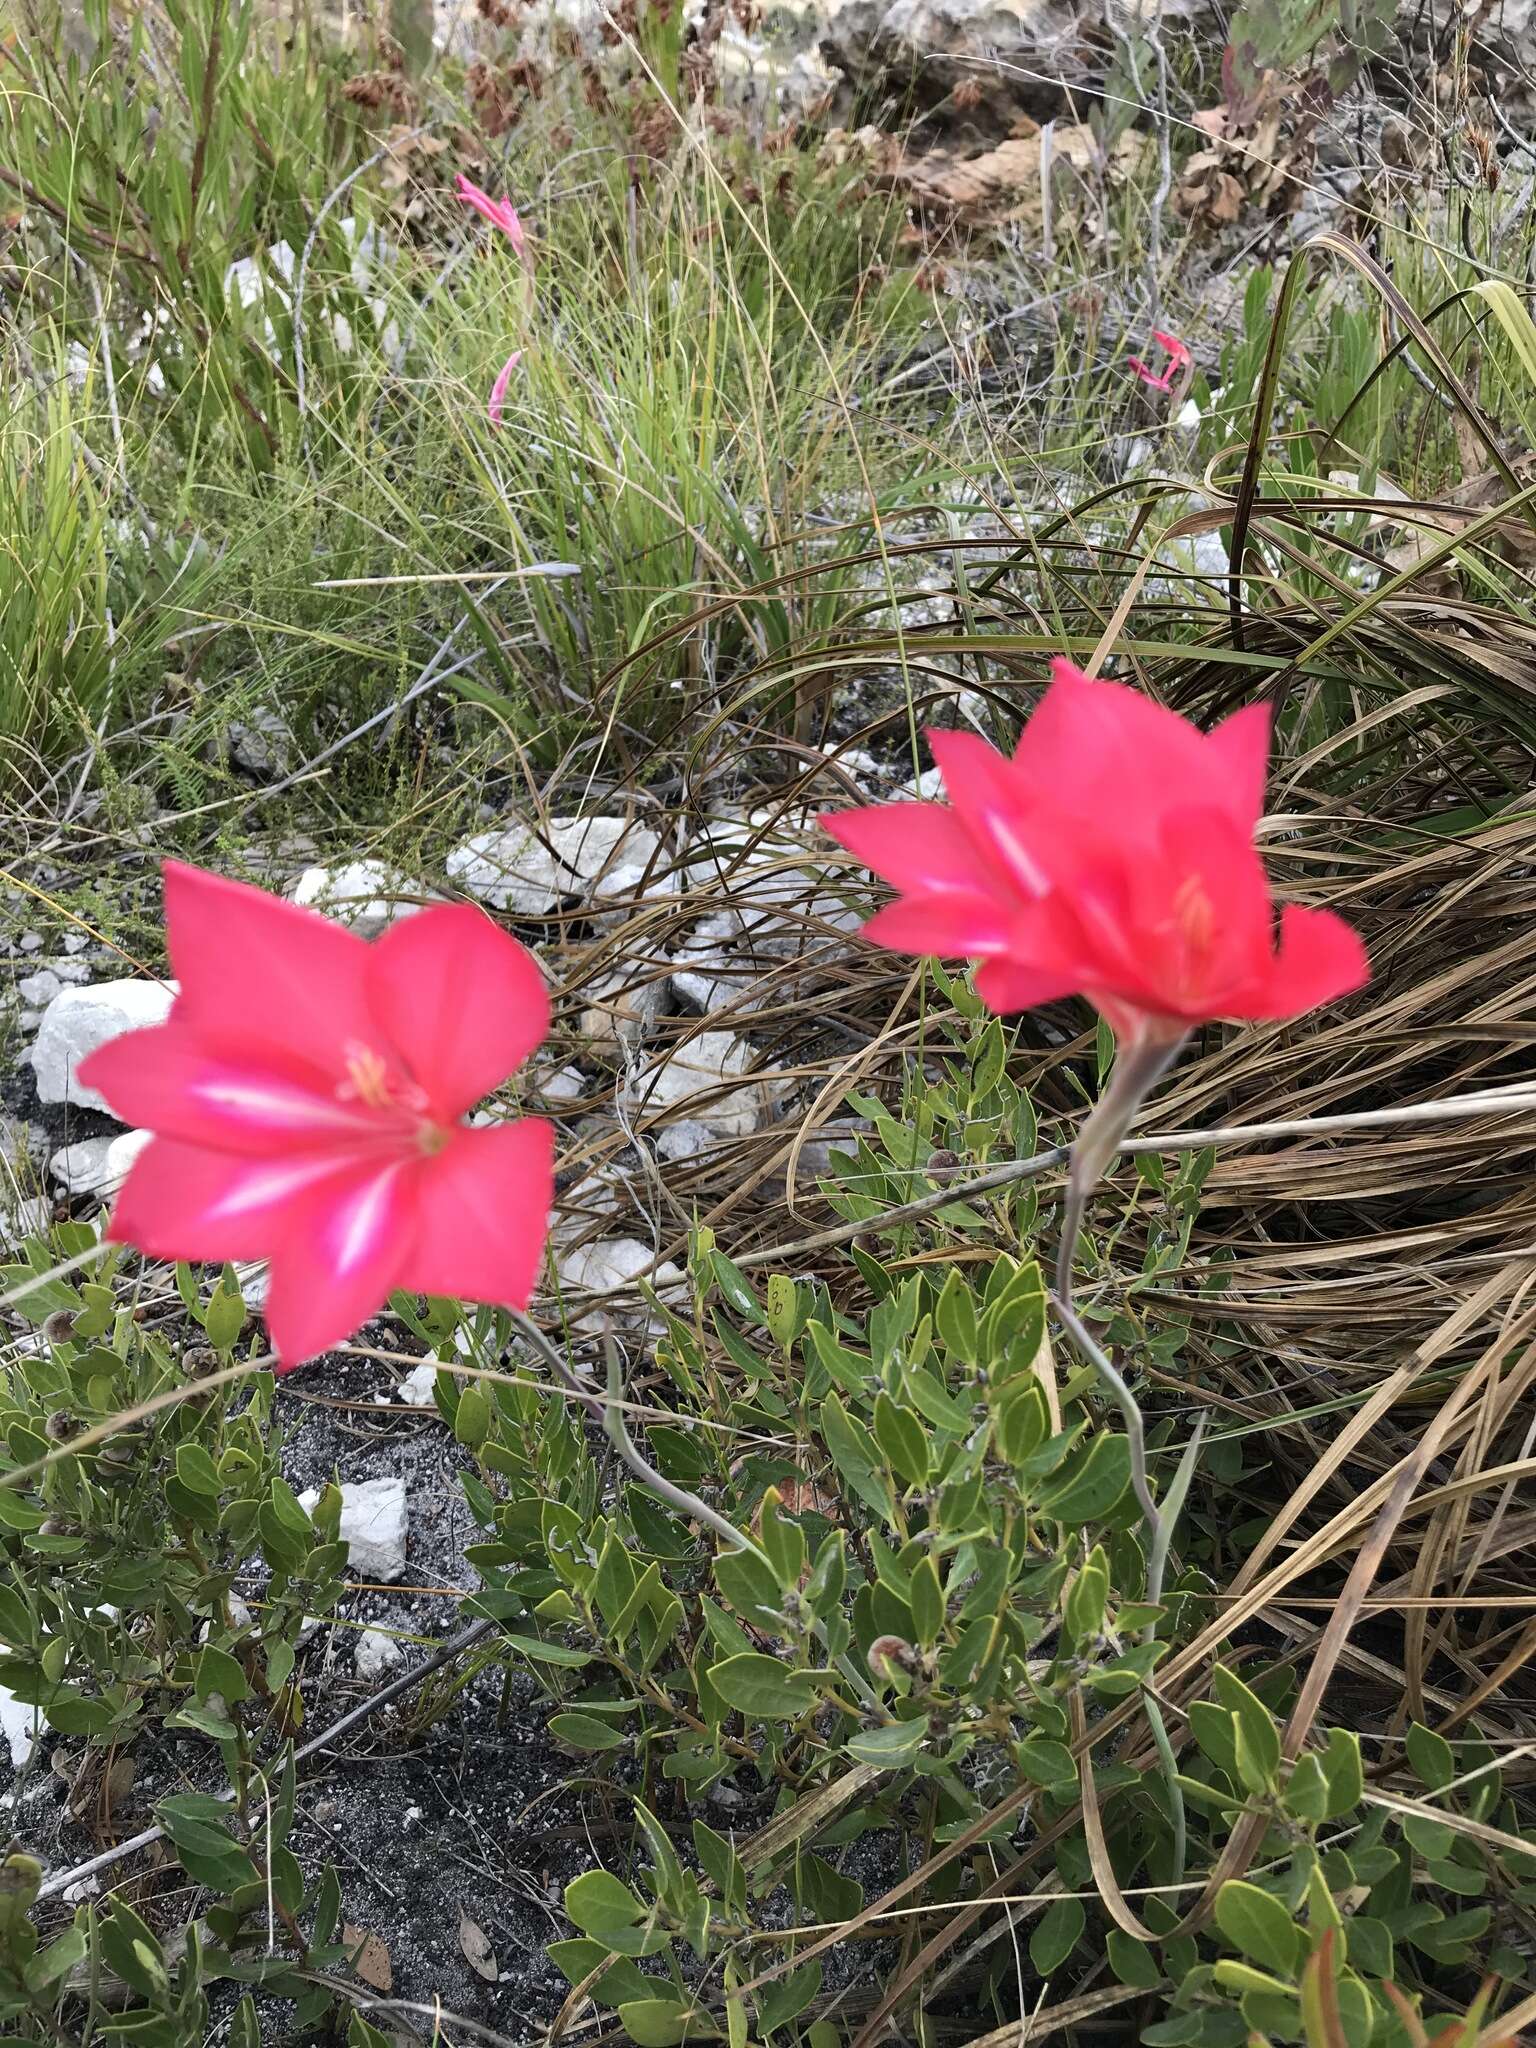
(501, 213)
(1112, 857)
(1178, 356)
(498, 397)
(305, 1096)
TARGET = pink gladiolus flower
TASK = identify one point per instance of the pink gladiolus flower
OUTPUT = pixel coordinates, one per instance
(497, 399)
(1111, 857)
(1178, 356)
(305, 1096)
(501, 213)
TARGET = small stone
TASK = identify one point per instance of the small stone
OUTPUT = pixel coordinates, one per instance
(366, 895)
(262, 744)
(698, 1073)
(419, 1387)
(75, 942)
(38, 990)
(121, 1153)
(375, 1654)
(927, 788)
(21, 1726)
(373, 1525)
(532, 873)
(610, 1267)
(568, 1084)
(78, 1020)
(81, 1168)
(30, 942)
(685, 1140)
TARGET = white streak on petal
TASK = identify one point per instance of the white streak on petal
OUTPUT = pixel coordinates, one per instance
(271, 1182)
(289, 1109)
(365, 1220)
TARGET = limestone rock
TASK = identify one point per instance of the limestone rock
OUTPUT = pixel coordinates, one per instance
(703, 1073)
(373, 1525)
(367, 895)
(574, 859)
(78, 1020)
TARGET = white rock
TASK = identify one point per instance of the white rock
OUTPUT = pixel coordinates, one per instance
(521, 871)
(567, 1084)
(376, 1653)
(698, 1073)
(78, 1020)
(927, 788)
(30, 942)
(75, 942)
(624, 1008)
(701, 972)
(685, 1140)
(21, 1726)
(609, 1268)
(373, 1521)
(38, 990)
(368, 895)
(121, 1153)
(419, 1387)
(81, 1168)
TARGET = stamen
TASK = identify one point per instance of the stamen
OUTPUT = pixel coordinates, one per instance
(368, 1078)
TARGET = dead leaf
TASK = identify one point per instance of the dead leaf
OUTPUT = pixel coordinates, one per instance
(369, 1956)
(476, 1949)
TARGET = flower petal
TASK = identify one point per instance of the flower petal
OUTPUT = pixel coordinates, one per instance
(1111, 757)
(497, 399)
(255, 970)
(1319, 958)
(185, 1202)
(994, 804)
(1239, 746)
(1006, 986)
(459, 999)
(339, 1257)
(482, 1214)
(953, 927)
(921, 848)
(170, 1080)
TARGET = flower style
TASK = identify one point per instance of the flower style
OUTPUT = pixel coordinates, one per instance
(305, 1096)
(1179, 358)
(1111, 857)
(497, 399)
(501, 213)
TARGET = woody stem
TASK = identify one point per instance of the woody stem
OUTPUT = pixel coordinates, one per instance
(1137, 1070)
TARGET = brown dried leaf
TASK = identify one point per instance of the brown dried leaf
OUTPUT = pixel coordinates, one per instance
(370, 1957)
(476, 1949)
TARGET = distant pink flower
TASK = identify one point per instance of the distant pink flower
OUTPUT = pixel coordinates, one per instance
(498, 395)
(501, 213)
(1179, 358)
(1111, 856)
(305, 1097)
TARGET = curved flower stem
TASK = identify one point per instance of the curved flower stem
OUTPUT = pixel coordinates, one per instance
(1137, 1070)
(609, 1414)
(610, 1417)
